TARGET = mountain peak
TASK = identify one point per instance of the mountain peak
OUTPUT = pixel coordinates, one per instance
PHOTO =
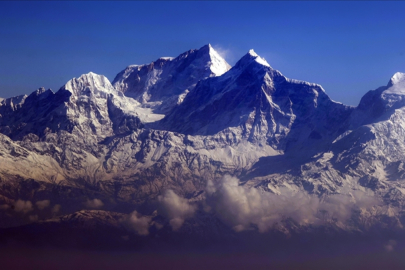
(258, 59)
(249, 58)
(218, 65)
(164, 83)
(398, 77)
(41, 93)
(90, 81)
(252, 53)
(206, 46)
(396, 85)
(91, 75)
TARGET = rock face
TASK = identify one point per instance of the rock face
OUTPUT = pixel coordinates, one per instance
(183, 124)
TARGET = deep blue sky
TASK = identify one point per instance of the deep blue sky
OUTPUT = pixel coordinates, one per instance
(347, 47)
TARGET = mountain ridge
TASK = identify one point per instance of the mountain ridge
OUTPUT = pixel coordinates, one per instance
(187, 124)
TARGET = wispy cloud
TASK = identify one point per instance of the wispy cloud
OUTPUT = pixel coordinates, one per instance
(94, 204)
(33, 218)
(225, 53)
(390, 245)
(43, 204)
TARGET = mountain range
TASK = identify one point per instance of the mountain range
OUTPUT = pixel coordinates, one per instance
(192, 146)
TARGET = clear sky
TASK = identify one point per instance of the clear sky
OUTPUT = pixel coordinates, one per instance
(347, 47)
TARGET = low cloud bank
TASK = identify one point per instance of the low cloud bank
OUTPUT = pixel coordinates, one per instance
(175, 208)
(339, 207)
(239, 207)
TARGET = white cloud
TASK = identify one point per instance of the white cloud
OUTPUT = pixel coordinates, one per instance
(138, 223)
(56, 208)
(223, 52)
(175, 208)
(23, 206)
(340, 206)
(95, 203)
(42, 204)
(390, 245)
(240, 207)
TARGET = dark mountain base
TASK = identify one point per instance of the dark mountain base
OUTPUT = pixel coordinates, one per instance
(83, 249)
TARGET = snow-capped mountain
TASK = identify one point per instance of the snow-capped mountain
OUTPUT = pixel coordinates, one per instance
(164, 83)
(254, 102)
(190, 138)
